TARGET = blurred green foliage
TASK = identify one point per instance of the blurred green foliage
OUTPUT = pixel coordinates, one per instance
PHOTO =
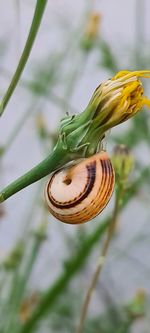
(57, 308)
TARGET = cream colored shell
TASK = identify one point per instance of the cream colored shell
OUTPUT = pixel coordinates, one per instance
(78, 193)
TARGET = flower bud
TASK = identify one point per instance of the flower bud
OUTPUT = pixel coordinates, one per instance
(113, 102)
(40, 232)
(41, 125)
(123, 161)
(136, 308)
(91, 30)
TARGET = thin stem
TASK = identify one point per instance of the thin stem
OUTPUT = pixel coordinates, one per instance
(55, 160)
(97, 274)
(72, 266)
(62, 102)
(18, 127)
(23, 270)
(20, 282)
(50, 94)
(39, 10)
(74, 76)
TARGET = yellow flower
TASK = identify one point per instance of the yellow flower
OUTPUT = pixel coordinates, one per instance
(120, 98)
(113, 102)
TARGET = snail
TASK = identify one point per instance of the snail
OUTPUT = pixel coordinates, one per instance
(75, 194)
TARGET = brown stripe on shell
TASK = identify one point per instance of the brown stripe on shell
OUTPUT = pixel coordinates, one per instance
(91, 173)
(109, 181)
(109, 177)
(101, 200)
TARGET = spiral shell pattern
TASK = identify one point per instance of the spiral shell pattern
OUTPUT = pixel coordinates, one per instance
(78, 193)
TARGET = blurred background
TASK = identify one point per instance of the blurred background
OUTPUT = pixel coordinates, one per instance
(45, 265)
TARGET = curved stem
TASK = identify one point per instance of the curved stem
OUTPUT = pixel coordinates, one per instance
(101, 260)
(54, 161)
(39, 10)
(18, 127)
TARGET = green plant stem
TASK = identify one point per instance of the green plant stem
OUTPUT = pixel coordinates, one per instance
(108, 59)
(55, 160)
(97, 273)
(49, 95)
(24, 269)
(125, 326)
(71, 267)
(22, 272)
(39, 10)
(73, 77)
(19, 284)
(18, 127)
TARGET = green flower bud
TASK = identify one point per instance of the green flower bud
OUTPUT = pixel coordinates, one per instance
(40, 232)
(136, 308)
(123, 161)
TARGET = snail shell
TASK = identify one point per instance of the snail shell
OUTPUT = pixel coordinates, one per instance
(77, 193)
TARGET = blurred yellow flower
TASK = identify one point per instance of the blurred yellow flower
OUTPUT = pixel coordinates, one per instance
(93, 25)
(91, 31)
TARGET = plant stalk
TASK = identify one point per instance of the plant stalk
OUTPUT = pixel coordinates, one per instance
(39, 10)
(97, 273)
(71, 267)
(54, 161)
